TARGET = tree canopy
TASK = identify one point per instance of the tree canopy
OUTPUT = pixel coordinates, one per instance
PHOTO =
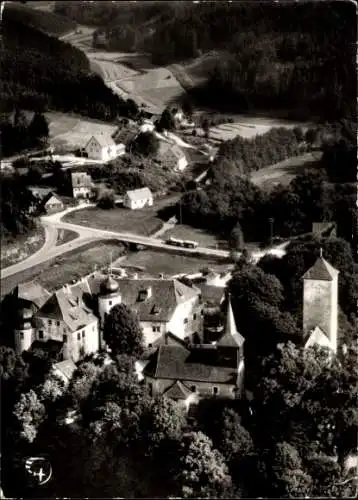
(122, 331)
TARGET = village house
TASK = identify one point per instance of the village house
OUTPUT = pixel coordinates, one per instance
(81, 184)
(51, 204)
(172, 154)
(138, 198)
(188, 373)
(103, 147)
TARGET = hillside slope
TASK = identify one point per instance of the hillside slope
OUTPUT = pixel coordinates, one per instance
(38, 71)
(268, 56)
(45, 21)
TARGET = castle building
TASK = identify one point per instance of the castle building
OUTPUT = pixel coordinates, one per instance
(320, 304)
(188, 373)
(72, 318)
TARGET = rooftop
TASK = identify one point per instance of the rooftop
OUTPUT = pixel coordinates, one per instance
(32, 292)
(67, 368)
(321, 270)
(67, 305)
(200, 364)
(139, 194)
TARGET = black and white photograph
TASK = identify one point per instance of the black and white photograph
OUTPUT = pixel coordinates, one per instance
(179, 259)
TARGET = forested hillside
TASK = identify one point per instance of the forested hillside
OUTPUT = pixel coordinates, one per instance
(48, 22)
(38, 71)
(279, 56)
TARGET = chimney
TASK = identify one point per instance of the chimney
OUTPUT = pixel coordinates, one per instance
(149, 292)
(161, 276)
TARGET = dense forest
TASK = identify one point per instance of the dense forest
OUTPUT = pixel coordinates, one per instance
(46, 21)
(296, 57)
(39, 72)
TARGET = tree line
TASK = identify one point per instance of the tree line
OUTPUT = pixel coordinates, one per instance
(230, 199)
(39, 72)
(273, 56)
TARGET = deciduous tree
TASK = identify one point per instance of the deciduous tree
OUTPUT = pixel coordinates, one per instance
(122, 331)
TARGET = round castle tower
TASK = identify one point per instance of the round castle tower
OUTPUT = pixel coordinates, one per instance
(24, 331)
(109, 297)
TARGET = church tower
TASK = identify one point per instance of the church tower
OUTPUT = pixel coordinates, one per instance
(232, 340)
(24, 331)
(320, 300)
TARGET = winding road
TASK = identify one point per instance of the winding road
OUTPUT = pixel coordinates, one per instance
(54, 223)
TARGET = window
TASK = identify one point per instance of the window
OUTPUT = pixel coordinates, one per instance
(41, 334)
(64, 339)
(83, 334)
(93, 328)
(215, 390)
(21, 335)
(156, 328)
(79, 336)
(57, 323)
(193, 388)
(150, 345)
(110, 302)
(194, 316)
(185, 321)
(50, 322)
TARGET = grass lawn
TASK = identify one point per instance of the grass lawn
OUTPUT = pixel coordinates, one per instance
(284, 171)
(156, 262)
(22, 247)
(64, 236)
(144, 222)
(203, 237)
(61, 270)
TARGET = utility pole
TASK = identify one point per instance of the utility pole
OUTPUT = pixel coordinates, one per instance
(271, 221)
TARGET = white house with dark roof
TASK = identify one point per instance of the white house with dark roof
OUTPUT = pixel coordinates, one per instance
(103, 147)
(138, 198)
(320, 304)
(162, 305)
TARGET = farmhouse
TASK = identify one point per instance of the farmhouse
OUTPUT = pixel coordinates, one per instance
(102, 147)
(52, 204)
(81, 184)
(172, 154)
(64, 370)
(138, 198)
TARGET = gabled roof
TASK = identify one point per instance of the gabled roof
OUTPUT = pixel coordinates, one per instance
(200, 364)
(104, 139)
(321, 270)
(317, 336)
(67, 368)
(68, 306)
(177, 391)
(231, 337)
(51, 197)
(139, 194)
(31, 292)
(212, 295)
(168, 148)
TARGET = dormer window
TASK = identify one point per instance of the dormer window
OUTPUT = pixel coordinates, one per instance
(155, 310)
(144, 294)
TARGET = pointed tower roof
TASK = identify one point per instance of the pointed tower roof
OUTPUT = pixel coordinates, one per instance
(231, 337)
(321, 270)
